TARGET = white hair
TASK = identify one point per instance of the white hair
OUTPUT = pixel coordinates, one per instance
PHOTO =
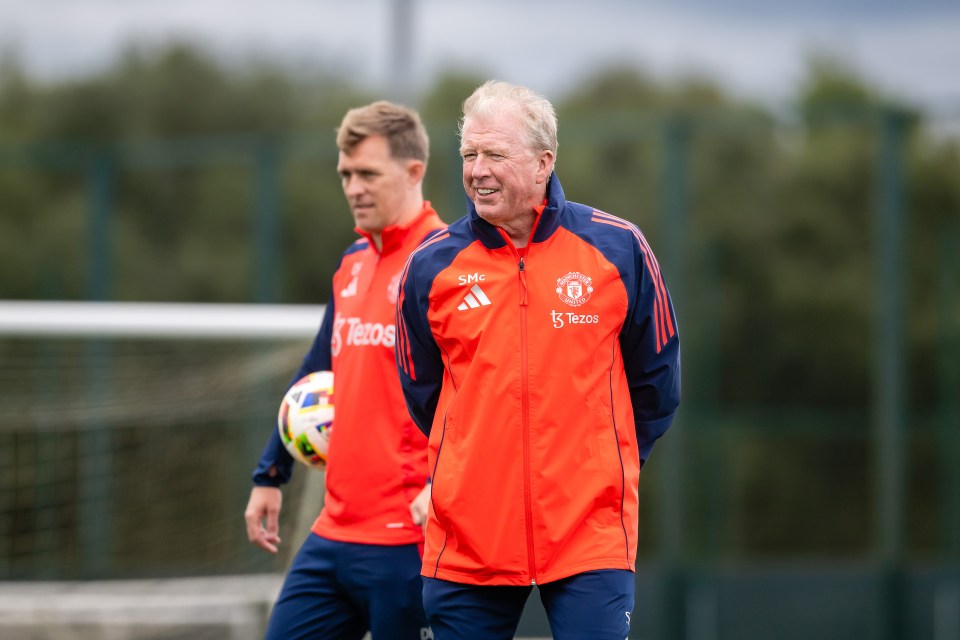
(535, 112)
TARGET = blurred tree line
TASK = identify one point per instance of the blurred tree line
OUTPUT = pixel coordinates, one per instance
(776, 249)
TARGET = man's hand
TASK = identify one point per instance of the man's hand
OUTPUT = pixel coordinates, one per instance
(420, 506)
(264, 506)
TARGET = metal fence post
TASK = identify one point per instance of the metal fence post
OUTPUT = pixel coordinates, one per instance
(890, 441)
(99, 277)
(671, 600)
(266, 236)
(95, 446)
(949, 383)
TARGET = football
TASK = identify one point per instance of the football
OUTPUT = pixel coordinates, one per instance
(306, 418)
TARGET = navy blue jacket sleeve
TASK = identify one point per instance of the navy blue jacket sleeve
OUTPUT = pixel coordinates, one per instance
(650, 345)
(419, 360)
(276, 465)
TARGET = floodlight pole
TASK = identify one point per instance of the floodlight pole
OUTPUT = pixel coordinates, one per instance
(401, 51)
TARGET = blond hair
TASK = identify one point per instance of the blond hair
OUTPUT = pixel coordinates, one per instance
(399, 125)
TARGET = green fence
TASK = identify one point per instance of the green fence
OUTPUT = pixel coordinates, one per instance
(810, 486)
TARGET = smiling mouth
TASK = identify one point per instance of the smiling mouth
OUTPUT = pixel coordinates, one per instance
(486, 192)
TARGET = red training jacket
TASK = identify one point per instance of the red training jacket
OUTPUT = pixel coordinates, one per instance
(377, 459)
(542, 382)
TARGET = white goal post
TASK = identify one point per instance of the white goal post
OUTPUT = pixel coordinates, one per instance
(158, 320)
(125, 424)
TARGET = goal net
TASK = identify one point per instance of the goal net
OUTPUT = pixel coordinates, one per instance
(128, 433)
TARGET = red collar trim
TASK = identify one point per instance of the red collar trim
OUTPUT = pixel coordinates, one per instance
(393, 236)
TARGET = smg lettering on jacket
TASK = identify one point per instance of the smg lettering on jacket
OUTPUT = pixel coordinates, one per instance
(357, 333)
(563, 318)
(465, 279)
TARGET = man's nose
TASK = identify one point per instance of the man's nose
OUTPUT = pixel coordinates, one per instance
(480, 167)
(352, 185)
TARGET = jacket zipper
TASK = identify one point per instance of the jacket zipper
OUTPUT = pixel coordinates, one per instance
(525, 417)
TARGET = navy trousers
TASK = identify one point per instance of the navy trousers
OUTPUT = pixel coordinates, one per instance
(595, 605)
(340, 590)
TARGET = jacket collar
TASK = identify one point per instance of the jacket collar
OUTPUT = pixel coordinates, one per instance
(546, 225)
(395, 237)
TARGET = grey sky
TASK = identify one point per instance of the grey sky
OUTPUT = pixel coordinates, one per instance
(754, 48)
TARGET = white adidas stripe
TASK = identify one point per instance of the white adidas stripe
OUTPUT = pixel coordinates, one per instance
(476, 298)
(481, 296)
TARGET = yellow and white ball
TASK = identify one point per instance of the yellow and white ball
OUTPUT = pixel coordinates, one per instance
(305, 419)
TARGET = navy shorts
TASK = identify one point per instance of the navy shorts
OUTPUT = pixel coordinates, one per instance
(595, 605)
(341, 590)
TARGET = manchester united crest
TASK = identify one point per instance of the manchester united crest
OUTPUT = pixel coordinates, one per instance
(574, 288)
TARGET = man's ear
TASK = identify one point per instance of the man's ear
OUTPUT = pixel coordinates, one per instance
(416, 169)
(545, 166)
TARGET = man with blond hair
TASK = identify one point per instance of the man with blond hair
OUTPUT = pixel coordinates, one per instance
(358, 569)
